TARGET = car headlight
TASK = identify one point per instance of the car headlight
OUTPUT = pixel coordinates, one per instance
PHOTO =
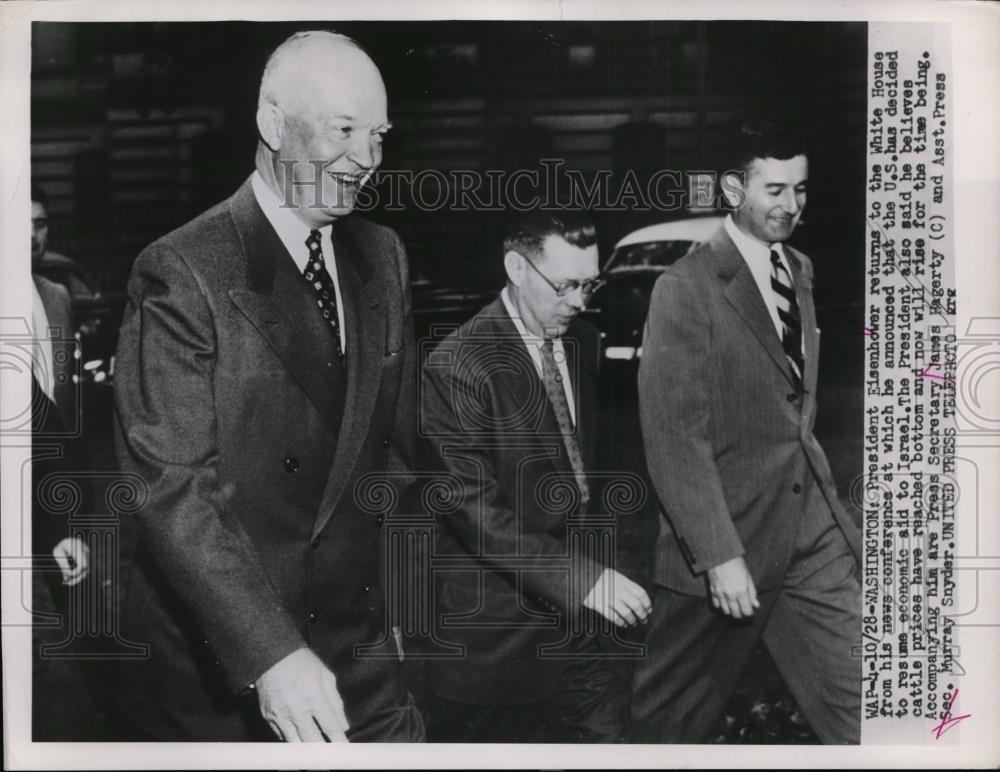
(623, 352)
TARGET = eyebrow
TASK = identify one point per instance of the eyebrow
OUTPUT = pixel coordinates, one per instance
(350, 119)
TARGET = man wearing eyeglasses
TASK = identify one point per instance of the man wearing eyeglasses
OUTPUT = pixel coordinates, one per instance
(508, 402)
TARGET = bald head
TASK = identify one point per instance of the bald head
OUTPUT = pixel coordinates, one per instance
(308, 64)
(321, 116)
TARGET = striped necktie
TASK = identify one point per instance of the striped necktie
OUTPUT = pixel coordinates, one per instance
(788, 312)
(319, 279)
(557, 396)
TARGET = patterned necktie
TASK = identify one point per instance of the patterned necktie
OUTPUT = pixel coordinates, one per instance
(557, 396)
(319, 279)
(788, 312)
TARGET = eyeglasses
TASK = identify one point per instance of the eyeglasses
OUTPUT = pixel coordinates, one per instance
(563, 288)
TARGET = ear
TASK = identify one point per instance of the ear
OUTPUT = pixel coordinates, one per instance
(270, 124)
(514, 265)
(732, 189)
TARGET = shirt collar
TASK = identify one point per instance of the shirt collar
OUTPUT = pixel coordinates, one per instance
(753, 251)
(528, 335)
(290, 229)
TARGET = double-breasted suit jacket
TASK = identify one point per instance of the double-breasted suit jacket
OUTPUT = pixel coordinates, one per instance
(250, 436)
(728, 433)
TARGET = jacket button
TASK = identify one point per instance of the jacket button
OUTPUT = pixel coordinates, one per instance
(315, 542)
(792, 397)
(291, 464)
(313, 616)
(796, 488)
(385, 444)
(366, 588)
(379, 520)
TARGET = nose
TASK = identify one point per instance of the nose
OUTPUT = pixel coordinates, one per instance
(576, 299)
(362, 150)
(790, 202)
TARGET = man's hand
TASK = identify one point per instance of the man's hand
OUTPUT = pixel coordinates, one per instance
(731, 588)
(73, 557)
(300, 701)
(618, 599)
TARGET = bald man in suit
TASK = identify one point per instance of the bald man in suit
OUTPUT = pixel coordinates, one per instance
(266, 365)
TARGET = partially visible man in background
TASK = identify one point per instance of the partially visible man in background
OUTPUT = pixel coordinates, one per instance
(55, 416)
(62, 486)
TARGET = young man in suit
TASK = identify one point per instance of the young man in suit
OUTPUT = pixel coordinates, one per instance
(508, 402)
(266, 363)
(727, 391)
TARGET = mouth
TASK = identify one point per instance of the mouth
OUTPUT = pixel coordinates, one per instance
(349, 180)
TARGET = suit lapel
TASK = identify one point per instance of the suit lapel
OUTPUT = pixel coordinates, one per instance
(277, 302)
(521, 383)
(581, 360)
(364, 317)
(744, 295)
(810, 336)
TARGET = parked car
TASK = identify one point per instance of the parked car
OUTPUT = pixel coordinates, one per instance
(619, 308)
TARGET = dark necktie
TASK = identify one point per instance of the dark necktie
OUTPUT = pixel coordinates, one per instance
(788, 312)
(557, 396)
(319, 279)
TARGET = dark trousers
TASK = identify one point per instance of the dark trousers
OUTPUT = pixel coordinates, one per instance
(590, 704)
(811, 626)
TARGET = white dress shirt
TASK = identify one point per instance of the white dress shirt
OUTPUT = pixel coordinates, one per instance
(757, 256)
(42, 363)
(293, 234)
(534, 344)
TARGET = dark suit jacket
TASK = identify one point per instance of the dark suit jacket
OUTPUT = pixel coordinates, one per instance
(250, 543)
(729, 437)
(513, 584)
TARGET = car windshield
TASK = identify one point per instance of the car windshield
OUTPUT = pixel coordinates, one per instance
(649, 254)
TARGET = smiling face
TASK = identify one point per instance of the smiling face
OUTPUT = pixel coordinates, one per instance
(325, 125)
(773, 198)
(544, 312)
